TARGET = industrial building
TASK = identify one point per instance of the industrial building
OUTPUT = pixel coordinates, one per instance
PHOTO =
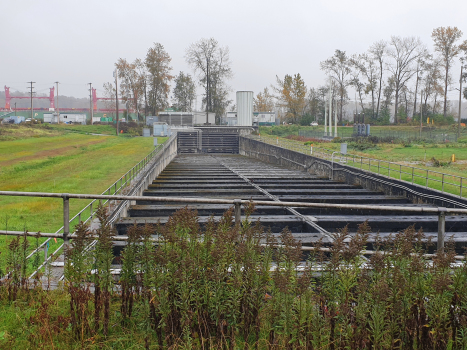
(73, 118)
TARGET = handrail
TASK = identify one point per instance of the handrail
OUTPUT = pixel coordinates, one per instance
(204, 200)
(378, 165)
(124, 180)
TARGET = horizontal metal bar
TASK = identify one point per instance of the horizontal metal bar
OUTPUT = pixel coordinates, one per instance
(231, 201)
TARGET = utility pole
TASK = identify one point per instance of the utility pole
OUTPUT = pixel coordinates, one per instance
(15, 108)
(116, 95)
(207, 92)
(330, 112)
(460, 102)
(32, 106)
(58, 109)
(90, 101)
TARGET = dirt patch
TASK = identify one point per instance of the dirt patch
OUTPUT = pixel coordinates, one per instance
(48, 153)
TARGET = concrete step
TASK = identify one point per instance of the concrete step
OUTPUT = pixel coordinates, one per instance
(276, 223)
(219, 209)
(202, 193)
(391, 223)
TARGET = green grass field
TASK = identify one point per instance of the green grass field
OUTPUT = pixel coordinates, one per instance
(60, 162)
(403, 158)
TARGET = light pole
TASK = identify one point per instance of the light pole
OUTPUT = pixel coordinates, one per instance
(460, 101)
(116, 95)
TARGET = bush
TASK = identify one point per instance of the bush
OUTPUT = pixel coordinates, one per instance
(215, 288)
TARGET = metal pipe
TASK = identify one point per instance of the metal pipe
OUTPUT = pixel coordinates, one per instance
(66, 219)
(238, 211)
(441, 229)
(230, 201)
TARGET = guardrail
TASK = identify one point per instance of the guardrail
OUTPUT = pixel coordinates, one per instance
(440, 211)
(86, 214)
(348, 132)
(447, 183)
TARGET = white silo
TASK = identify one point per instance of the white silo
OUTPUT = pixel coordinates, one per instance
(244, 108)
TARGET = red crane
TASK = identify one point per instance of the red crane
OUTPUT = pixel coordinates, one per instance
(8, 98)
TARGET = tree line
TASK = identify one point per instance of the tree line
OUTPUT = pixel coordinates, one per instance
(145, 82)
(396, 75)
(399, 77)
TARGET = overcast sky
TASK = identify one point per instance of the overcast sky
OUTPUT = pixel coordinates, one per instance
(78, 42)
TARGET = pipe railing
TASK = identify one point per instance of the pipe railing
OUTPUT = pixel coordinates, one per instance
(448, 183)
(118, 187)
(440, 211)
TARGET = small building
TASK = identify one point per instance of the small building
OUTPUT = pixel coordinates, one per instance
(186, 118)
(265, 118)
(230, 119)
(259, 118)
(69, 118)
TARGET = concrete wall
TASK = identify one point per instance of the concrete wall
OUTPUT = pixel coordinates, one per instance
(368, 180)
(153, 169)
(241, 130)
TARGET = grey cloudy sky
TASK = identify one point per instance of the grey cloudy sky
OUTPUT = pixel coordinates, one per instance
(77, 42)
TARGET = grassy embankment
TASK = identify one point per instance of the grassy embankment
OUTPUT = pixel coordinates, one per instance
(434, 157)
(39, 159)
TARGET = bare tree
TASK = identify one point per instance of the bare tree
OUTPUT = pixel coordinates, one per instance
(431, 81)
(184, 92)
(405, 52)
(378, 52)
(158, 67)
(211, 63)
(129, 86)
(109, 94)
(367, 66)
(355, 81)
(143, 76)
(445, 44)
(338, 68)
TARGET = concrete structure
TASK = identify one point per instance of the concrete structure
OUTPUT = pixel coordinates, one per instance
(151, 119)
(244, 108)
(160, 129)
(230, 119)
(185, 118)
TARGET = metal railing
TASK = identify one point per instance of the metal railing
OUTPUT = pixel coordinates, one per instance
(88, 212)
(440, 211)
(431, 134)
(446, 183)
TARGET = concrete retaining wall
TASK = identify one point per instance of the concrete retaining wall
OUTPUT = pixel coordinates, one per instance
(147, 176)
(350, 175)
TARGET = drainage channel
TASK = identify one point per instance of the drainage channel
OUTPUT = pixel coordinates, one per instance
(310, 220)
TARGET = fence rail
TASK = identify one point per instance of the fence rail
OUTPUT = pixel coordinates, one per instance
(440, 211)
(434, 135)
(446, 183)
(88, 212)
